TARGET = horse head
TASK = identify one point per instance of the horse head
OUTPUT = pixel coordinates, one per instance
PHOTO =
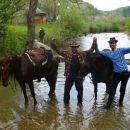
(5, 69)
(85, 66)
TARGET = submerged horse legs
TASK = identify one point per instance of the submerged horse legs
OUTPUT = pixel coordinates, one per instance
(23, 87)
(31, 86)
(95, 90)
(52, 83)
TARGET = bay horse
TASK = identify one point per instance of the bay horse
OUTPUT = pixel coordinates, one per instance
(25, 71)
(101, 69)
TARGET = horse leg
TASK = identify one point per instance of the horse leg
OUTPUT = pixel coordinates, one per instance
(39, 74)
(107, 87)
(95, 90)
(52, 83)
(23, 87)
(31, 86)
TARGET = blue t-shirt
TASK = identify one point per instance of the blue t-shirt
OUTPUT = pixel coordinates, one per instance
(117, 57)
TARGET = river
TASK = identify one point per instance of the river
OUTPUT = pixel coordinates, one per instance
(51, 114)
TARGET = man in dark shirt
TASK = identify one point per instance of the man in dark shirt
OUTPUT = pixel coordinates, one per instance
(72, 66)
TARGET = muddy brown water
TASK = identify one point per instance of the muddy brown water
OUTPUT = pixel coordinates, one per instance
(51, 114)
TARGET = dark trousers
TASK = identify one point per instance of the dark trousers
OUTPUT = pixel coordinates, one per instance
(118, 77)
(68, 85)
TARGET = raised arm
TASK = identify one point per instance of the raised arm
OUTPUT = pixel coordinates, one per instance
(105, 53)
(55, 46)
(93, 46)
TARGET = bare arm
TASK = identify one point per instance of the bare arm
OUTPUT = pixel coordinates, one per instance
(93, 46)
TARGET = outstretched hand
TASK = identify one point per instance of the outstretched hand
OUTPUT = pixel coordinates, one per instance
(94, 42)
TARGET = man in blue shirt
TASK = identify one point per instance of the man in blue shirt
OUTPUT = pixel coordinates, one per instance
(120, 68)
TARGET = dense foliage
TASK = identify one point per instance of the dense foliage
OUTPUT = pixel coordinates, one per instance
(7, 9)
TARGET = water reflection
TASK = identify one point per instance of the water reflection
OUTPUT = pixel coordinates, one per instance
(73, 120)
(41, 119)
(114, 119)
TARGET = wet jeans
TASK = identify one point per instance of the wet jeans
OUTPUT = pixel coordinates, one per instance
(118, 77)
(68, 85)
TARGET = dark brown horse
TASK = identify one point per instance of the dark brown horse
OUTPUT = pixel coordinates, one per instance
(101, 70)
(25, 72)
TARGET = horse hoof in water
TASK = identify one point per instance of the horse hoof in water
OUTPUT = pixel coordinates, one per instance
(35, 103)
(51, 94)
(26, 104)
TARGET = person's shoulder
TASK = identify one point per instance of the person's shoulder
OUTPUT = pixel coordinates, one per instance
(106, 50)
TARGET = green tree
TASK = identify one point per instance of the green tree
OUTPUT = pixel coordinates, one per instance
(7, 9)
(71, 20)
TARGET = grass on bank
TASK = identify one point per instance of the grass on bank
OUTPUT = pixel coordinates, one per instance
(16, 35)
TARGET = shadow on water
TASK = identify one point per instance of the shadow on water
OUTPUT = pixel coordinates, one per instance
(51, 114)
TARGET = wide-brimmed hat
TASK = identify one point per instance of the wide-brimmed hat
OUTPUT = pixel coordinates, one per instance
(112, 39)
(74, 44)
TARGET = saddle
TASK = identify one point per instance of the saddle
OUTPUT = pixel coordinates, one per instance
(38, 58)
(38, 55)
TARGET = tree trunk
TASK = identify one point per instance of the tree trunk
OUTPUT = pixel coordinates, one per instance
(31, 23)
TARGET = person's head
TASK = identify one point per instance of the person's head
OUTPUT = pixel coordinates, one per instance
(74, 46)
(113, 43)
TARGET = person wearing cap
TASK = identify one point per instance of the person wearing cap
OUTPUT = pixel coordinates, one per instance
(41, 35)
(120, 68)
(73, 59)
